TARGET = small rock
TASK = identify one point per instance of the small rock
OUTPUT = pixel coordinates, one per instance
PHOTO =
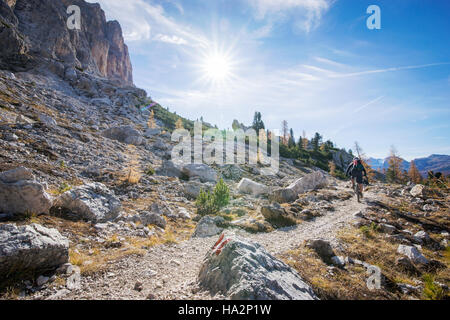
(41, 280)
(138, 286)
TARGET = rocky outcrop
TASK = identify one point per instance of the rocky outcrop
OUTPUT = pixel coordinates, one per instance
(412, 253)
(201, 171)
(277, 215)
(307, 183)
(31, 248)
(251, 187)
(20, 193)
(152, 218)
(124, 134)
(243, 270)
(92, 202)
(35, 34)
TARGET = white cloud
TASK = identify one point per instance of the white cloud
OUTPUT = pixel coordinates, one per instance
(307, 12)
(139, 20)
(169, 39)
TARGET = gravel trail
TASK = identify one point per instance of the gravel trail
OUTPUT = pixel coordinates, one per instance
(170, 272)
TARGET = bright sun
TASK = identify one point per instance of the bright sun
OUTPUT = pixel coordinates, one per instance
(217, 67)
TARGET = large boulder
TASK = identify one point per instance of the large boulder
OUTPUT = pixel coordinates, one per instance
(277, 215)
(92, 202)
(31, 248)
(251, 187)
(20, 193)
(170, 169)
(208, 226)
(412, 253)
(244, 270)
(419, 191)
(124, 134)
(322, 247)
(202, 171)
(307, 183)
(152, 218)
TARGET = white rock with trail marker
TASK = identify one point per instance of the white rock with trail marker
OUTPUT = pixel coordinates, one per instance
(243, 270)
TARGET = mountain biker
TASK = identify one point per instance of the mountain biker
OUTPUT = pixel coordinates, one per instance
(356, 170)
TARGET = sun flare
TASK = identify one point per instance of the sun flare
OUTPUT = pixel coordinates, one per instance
(217, 67)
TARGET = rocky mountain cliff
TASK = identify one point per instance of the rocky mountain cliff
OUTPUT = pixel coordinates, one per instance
(34, 35)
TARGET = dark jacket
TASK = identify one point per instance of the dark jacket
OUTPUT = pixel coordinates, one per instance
(355, 173)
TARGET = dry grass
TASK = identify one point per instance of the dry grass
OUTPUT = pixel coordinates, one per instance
(370, 246)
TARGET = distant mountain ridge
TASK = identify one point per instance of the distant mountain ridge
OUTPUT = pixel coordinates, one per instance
(435, 162)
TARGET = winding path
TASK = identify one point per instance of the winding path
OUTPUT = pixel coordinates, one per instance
(169, 272)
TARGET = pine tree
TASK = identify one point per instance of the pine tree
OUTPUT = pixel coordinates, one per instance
(316, 141)
(414, 174)
(258, 124)
(394, 171)
(151, 120)
(291, 139)
(300, 143)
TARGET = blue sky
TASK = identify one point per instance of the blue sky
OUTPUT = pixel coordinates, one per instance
(313, 63)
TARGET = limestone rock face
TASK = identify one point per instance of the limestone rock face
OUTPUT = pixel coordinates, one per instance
(20, 193)
(13, 49)
(36, 30)
(31, 248)
(243, 270)
(92, 202)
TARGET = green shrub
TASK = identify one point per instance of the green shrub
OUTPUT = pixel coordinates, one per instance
(205, 203)
(432, 291)
(210, 203)
(150, 171)
(221, 194)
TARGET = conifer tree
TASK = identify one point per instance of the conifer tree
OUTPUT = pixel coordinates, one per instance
(414, 174)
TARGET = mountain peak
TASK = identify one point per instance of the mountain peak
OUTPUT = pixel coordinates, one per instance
(40, 40)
